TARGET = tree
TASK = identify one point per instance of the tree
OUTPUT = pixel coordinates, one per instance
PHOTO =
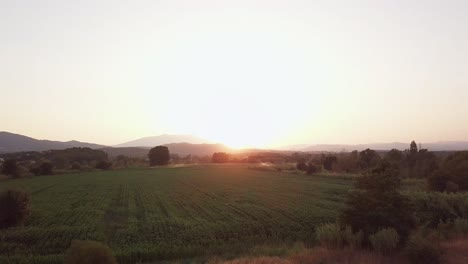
(301, 165)
(159, 156)
(104, 165)
(220, 157)
(15, 206)
(10, 167)
(377, 203)
(328, 162)
(394, 156)
(45, 168)
(454, 169)
(312, 168)
(413, 148)
(368, 158)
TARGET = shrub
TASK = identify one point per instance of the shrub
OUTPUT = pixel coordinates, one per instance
(89, 252)
(103, 165)
(460, 226)
(353, 240)
(76, 166)
(15, 206)
(450, 186)
(385, 240)
(312, 169)
(302, 166)
(159, 156)
(329, 235)
(421, 250)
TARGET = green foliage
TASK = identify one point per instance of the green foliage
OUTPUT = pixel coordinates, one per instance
(378, 204)
(431, 208)
(329, 235)
(422, 250)
(385, 240)
(14, 208)
(454, 170)
(89, 252)
(159, 156)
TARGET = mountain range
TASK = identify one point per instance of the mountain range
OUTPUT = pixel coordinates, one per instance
(187, 144)
(10, 142)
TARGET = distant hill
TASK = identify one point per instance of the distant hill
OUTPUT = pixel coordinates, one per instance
(10, 142)
(163, 140)
(435, 146)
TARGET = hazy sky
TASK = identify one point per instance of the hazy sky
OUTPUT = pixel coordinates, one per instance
(259, 73)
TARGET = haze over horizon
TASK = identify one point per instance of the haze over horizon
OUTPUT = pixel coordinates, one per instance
(243, 73)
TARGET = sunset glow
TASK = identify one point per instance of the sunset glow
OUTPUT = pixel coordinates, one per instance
(244, 73)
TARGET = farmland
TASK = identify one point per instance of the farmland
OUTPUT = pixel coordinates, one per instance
(148, 215)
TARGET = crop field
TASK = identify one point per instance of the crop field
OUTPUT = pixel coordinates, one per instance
(151, 215)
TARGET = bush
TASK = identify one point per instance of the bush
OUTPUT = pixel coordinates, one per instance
(15, 206)
(385, 240)
(302, 166)
(103, 165)
(312, 169)
(421, 250)
(460, 226)
(76, 166)
(353, 240)
(329, 235)
(89, 252)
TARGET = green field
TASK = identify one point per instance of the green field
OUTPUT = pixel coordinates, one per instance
(159, 214)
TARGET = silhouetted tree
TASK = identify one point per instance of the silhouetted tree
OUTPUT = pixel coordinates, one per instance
(312, 168)
(220, 157)
(454, 170)
(413, 148)
(159, 156)
(104, 165)
(394, 156)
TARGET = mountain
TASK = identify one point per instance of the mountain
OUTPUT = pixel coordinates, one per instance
(434, 146)
(10, 142)
(163, 140)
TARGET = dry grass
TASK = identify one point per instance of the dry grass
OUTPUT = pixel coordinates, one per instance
(324, 255)
(456, 251)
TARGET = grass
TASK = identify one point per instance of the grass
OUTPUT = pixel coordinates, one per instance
(148, 215)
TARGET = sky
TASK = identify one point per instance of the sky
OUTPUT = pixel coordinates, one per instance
(244, 73)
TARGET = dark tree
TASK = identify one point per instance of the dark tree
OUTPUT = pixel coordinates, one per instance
(159, 156)
(10, 167)
(328, 162)
(45, 168)
(377, 204)
(394, 156)
(14, 208)
(413, 148)
(220, 157)
(368, 158)
(104, 165)
(454, 170)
